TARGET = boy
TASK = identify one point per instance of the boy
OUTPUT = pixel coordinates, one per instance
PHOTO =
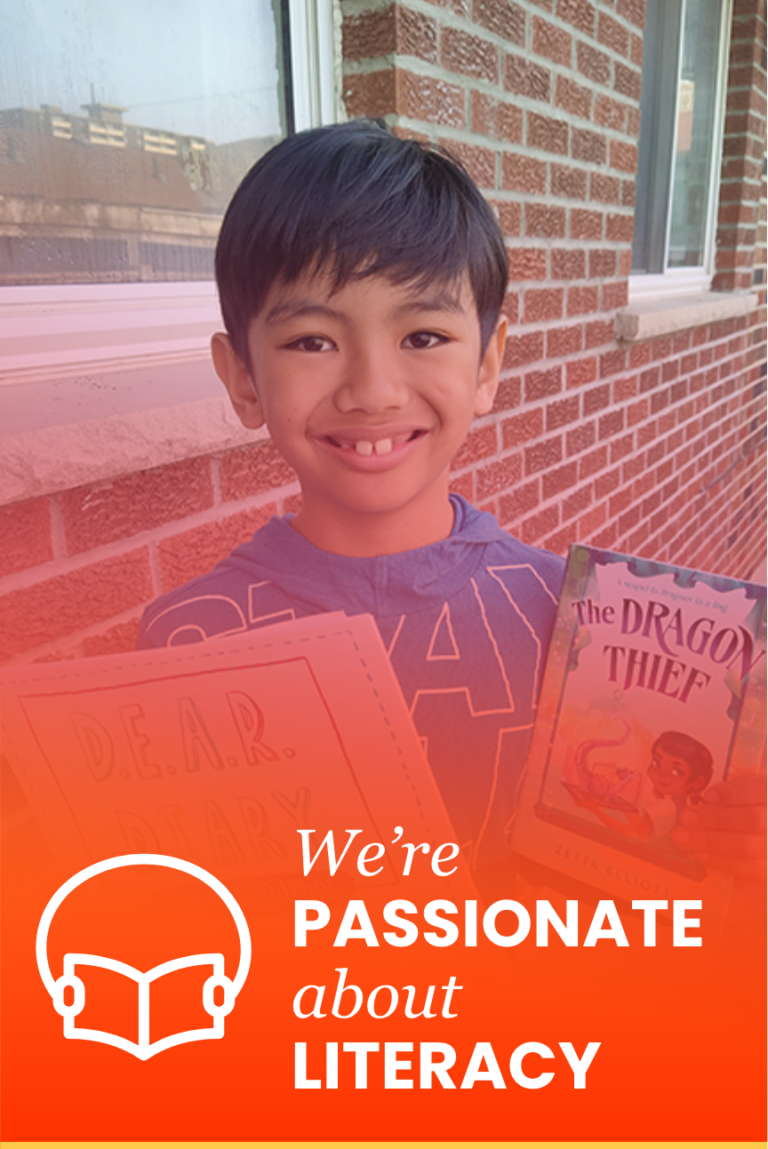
(361, 280)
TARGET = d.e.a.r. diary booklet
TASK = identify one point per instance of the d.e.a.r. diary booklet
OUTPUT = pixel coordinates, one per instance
(654, 690)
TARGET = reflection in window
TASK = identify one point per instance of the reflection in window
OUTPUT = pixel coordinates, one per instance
(678, 147)
(124, 130)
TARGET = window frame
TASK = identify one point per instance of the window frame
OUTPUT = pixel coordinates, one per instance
(689, 281)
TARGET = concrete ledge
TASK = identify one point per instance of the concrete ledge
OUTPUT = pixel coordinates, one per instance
(651, 318)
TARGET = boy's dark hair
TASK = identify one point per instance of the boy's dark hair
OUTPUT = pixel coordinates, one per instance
(694, 753)
(355, 200)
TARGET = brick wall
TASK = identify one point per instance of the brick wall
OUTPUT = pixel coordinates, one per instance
(655, 448)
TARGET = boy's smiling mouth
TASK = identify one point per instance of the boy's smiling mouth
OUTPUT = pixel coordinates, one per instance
(369, 442)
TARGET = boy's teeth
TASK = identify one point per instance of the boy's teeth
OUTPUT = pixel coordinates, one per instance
(364, 447)
(383, 446)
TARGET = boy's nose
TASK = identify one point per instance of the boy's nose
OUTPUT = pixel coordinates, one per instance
(372, 383)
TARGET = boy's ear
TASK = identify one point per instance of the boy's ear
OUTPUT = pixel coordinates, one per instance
(490, 366)
(237, 379)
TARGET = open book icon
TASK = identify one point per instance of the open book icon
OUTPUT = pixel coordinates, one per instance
(144, 1048)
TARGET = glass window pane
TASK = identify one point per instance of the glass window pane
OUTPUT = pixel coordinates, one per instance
(124, 129)
(696, 121)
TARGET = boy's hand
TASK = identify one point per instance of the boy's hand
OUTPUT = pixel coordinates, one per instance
(727, 830)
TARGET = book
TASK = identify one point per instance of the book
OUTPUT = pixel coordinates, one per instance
(654, 690)
(219, 752)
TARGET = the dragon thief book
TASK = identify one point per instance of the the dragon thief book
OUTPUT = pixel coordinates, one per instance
(654, 690)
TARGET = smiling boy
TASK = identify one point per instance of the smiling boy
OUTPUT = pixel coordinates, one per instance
(361, 279)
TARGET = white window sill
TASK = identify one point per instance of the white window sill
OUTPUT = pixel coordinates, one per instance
(650, 318)
(107, 380)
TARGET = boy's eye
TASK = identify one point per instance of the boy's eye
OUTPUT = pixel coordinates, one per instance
(422, 340)
(311, 343)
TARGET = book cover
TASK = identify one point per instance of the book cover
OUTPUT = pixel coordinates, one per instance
(654, 690)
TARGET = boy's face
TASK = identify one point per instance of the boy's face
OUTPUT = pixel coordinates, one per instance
(671, 775)
(368, 393)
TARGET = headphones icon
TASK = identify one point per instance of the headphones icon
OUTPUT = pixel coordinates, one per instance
(143, 1049)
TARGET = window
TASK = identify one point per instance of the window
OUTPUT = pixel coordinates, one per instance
(682, 107)
(124, 129)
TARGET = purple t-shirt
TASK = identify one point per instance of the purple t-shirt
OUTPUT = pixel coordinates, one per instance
(466, 622)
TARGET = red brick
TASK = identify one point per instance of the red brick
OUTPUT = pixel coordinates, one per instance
(552, 42)
(547, 134)
(586, 224)
(508, 394)
(541, 456)
(615, 295)
(479, 444)
(527, 263)
(371, 34)
(582, 300)
(370, 93)
(605, 538)
(25, 535)
(606, 483)
(463, 485)
(67, 603)
(526, 79)
(520, 428)
(543, 304)
(632, 10)
(580, 439)
(592, 463)
(106, 512)
(602, 264)
(496, 118)
(590, 147)
(563, 341)
(562, 412)
(568, 263)
(609, 113)
(619, 228)
(597, 399)
(639, 354)
(117, 640)
(503, 17)
(612, 362)
(518, 502)
(628, 194)
(590, 522)
(604, 189)
(633, 114)
(570, 183)
(624, 389)
(610, 424)
(623, 157)
(193, 552)
(599, 332)
(612, 34)
(577, 502)
(556, 480)
(544, 222)
(521, 349)
(427, 98)
(579, 13)
(573, 97)
(535, 528)
(580, 372)
(253, 470)
(524, 174)
(394, 29)
(479, 162)
(627, 81)
(561, 540)
(541, 384)
(596, 66)
(469, 55)
(498, 476)
(620, 448)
